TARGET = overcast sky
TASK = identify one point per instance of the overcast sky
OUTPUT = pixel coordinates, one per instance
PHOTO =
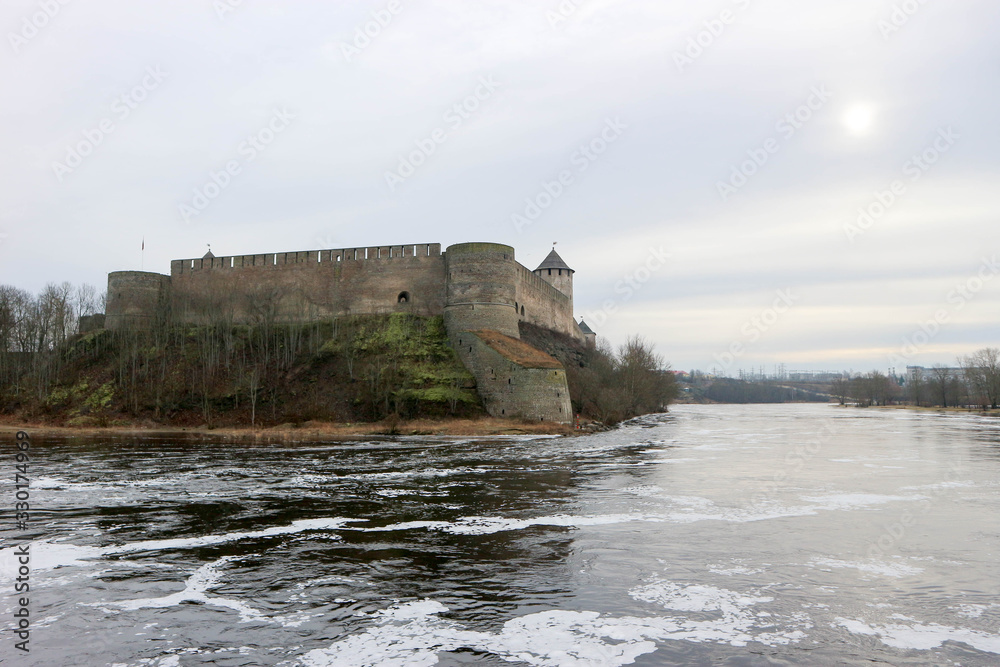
(116, 115)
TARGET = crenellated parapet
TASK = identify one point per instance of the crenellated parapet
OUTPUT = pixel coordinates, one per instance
(306, 258)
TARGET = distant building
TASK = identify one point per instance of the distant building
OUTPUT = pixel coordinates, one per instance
(921, 371)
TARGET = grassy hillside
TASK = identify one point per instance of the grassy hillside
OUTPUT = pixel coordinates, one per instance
(351, 369)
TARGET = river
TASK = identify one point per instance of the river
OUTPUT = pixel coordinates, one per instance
(715, 535)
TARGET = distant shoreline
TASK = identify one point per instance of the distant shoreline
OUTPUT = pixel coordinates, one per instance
(923, 408)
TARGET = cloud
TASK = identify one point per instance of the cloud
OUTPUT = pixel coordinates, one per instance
(324, 177)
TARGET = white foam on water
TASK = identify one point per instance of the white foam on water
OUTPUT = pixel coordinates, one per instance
(407, 525)
(484, 525)
(840, 501)
(195, 590)
(695, 597)
(694, 509)
(691, 501)
(414, 474)
(921, 637)
(645, 491)
(973, 610)
(164, 661)
(412, 635)
(47, 483)
(881, 568)
(310, 479)
(940, 485)
(47, 621)
(58, 484)
(47, 555)
(396, 493)
(736, 568)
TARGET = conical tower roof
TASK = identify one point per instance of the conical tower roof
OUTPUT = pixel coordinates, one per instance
(584, 328)
(208, 255)
(553, 261)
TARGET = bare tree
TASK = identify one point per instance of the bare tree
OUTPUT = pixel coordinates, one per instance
(841, 389)
(616, 385)
(254, 392)
(982, 372)
(916, 386)
(86, 300)
(940, 384)
(873, 388)
(644, 378)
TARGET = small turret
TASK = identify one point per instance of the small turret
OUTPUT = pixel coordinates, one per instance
(588, 334)
(557, 273)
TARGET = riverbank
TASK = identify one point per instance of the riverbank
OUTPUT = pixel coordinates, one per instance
(922, 408)
(308, 430)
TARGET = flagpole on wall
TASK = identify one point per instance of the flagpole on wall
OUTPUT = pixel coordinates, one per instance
(142, 260)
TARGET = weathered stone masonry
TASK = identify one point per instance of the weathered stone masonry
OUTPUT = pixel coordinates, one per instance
(479, 288)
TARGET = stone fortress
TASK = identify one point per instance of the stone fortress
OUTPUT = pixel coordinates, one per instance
(482, 292)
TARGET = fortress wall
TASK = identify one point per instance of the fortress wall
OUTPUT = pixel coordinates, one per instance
(544, 305)
(310, 285)
(479, 287)
(509, 389)
(88, 323)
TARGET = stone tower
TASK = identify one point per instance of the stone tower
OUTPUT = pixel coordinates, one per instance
(481, 315)
(557, 273)
(136, 299)
(481, 279)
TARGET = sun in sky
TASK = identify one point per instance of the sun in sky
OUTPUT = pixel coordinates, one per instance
(859, 118)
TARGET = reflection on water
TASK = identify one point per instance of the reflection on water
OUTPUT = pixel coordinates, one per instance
(742, 535)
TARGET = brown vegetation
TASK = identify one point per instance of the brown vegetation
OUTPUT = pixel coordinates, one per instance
(606, 384)
(348, 370)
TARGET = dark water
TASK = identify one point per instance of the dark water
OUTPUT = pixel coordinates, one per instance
(718, 535)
